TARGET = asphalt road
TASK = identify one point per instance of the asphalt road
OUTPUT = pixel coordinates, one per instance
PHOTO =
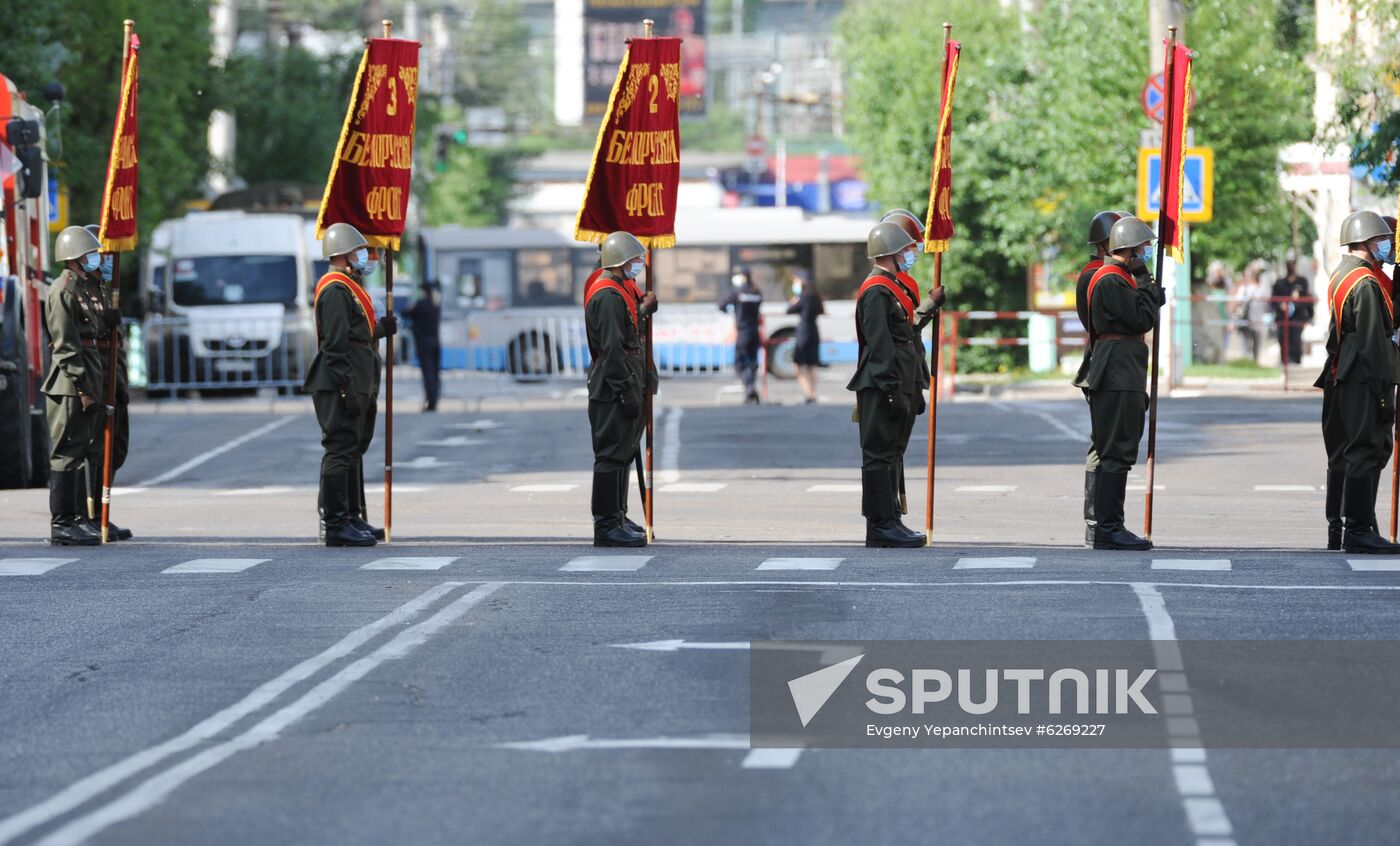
(222, 679)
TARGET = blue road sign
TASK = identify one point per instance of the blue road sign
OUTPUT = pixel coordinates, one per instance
(1197, 194)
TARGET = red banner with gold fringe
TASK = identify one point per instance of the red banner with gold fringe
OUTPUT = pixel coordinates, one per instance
(1174, 126)
(117, 226)
(938, 227)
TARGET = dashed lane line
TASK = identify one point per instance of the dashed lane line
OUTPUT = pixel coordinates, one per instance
(692, 487)
(606, 564)
(216, 565)
(410, 563)
(544, 488)
(1215, 564)
(31, 566)
(800, 564)
(1001, 563)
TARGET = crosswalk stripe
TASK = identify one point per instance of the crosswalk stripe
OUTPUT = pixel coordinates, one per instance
(606, 563)
(692, 487)
(771, 759)
(1004, 563)
(1284, 488)
(984, 489)
(410, 563)
(543, 488)
(800, 564)
(834, 488)
(1191, 564)
(1374, 565)
(216, 565)
(31, 566)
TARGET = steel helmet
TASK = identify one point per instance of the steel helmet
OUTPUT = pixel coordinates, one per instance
(75, 242)
(620, 248)
(1102, 225)
(907, 221)
(1127, 232)
(886, 239)
(1362, 226)
(1389, 221)
(340, 239)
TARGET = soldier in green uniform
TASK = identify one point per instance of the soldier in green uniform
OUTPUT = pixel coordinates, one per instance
(1099, 228)
(1358, 382)
(121, 419)
(342, 378)
(887, 376)
(1121, 302)
(617, 382)
(75, 316)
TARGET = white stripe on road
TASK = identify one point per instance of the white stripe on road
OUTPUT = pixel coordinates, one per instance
(834, 488)
(985, 489)
(801, 564)
(1374, 565)
(771, 759)
(670, 447)
(105, 779)
(1204, 812)
(1004, 563)
(156, 788)
(606, 564)
(429, 563)
(542, 488)
(270, 489)
(1055, 423)
(31, 566)
(1143, 487)
(216, 565)
(692, 487)
(1284, 488)
(182, 469)
(1215, 564)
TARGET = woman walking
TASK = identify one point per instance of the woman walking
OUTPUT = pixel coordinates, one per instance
(806, 354)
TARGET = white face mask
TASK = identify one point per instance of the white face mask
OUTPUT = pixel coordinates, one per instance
(796, 289)
(359, 260)
(635, 269)
(737, 280)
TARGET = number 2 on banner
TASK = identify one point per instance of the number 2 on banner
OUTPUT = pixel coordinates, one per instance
(654, 86)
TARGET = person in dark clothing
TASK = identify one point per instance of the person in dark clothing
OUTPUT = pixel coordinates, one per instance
(425, 315)
(1291, 317)
(806, 353)
(1099, 228)
(744, 302)
(121, 417)
(1358, 385)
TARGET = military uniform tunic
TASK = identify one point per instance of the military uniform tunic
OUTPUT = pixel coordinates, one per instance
(344, 372)
(618, 377)
(1081, 305)
(888, 366)
(121, 422)
(73, 315)
(1120, 311)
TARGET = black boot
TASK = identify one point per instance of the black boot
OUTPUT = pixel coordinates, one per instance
(1376, 476)
(901, 506)
(335, 499)
(359, 514)
(608, 528)
(114, 532)
(1108, 507)
(624, 480)
(882, 526)
(1091, 491)
(65, 529)
(1336, 482)
(1359, 508)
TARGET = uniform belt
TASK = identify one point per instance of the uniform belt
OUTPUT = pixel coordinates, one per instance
(91, 342)
(366, 344)
(1114, 336)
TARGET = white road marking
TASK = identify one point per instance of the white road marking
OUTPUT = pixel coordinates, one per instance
(1284, 488)
(1204, 812)
(1191, 564)
(182, 469)
(31, 566)
(1004, 563)
(800, 564)
(453, 441)
(692, 487)
(771, 759)
(606, 564)
(829, 653)
(155, 789)
(269, 489)
(90, 787)
(410, 563)
(1374, 565)
(576, 742)
(1055, 423)
(476, 425)
(398, 489)
(134, 490)
(423, 462)
(984, 489)
(216, 565)
(1143, 487)
(827, 487)
(542, 488)
(670, 457)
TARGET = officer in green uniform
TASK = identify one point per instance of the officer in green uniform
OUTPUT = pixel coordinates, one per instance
(75, 316)
(886, 378)
(121, 419)
(1099, 228)
(618, 380)
(341, 378)
(1358, 382)
(1122, 303)
(925, 313)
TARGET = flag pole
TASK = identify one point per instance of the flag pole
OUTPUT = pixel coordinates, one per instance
(650, 407)
(109, 407)
(935, 356)
(388, 377)
(1168, 127)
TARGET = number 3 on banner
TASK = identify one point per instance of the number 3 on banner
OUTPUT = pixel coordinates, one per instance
(654, 86)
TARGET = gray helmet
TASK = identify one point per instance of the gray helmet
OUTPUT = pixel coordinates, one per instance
(886, 239)
(1362, 226)
(1102, 225)
(73, 243)
(907, 221)
(340, 239)
(1129, 232)
(620, 248)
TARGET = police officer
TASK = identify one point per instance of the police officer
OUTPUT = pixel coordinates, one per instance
(886, 379)
(1121, 302)
(917, 356)
(1099, 229)
(745, 302)
(121, 419)
(1358, 385)
(344, 379)
(618, 380)
(76, 317)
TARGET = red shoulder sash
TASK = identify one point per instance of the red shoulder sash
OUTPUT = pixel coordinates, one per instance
(1094, 264)
(882, 282)
(602, 282)
(908, 282)
(361, 296)
(1103, 271)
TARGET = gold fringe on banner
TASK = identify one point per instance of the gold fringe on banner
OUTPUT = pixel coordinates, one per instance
(581, 234)
(118, 245)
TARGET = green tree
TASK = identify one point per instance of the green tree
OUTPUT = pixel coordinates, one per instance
(1368, 89)
(472, 189)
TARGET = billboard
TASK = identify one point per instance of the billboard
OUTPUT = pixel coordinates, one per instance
(607, 24)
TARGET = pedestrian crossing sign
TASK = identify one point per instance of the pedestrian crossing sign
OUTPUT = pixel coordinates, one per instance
(1197, 194)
